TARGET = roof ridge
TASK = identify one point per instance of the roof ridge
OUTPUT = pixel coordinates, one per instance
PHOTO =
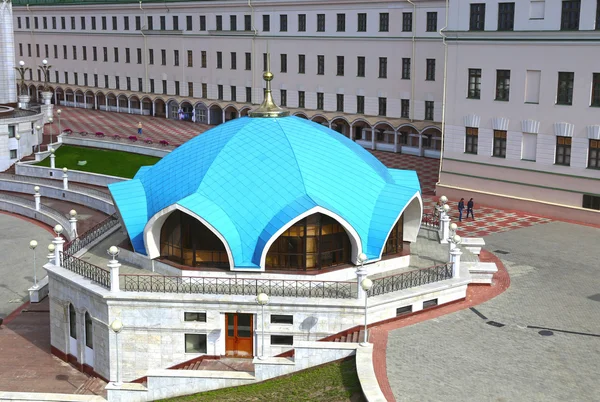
(293, 153)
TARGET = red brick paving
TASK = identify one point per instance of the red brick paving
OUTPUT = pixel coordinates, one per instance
(27, 365)
(476, 294)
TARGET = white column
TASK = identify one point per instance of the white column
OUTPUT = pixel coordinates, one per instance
(396, 141)
(141, 108)
(37, 197)
(95, 102)
(154, 108)
(52, 159)
(65, 179)
(372, 138)
(58, 247)
(351, 134)
(223, 121)
(329, 125)
(114, 265)
(73, 222)
(84, 101)
(420, 145)
(129, 105)
(106, 102)
(445, 228)
(455, 260)
(208, 116)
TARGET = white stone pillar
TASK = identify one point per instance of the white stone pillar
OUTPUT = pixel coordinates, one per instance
(47, 96)
(52, 159)
(113, 266)
(8, 80)
(420, 145)
(208, 116)
(65, 179)
(361, 273)
(445, 226)
(141, 108)
(223, 121)
(37, 197)
(73, 222)
(58, 244)
(95, 102)
(372, 138)
(129, 105)
(351, 134)
(84, 101)
(455, 260)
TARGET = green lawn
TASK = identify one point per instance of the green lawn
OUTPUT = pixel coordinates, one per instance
(334, 382)
(114, 163)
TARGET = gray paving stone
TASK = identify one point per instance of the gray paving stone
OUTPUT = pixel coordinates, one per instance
(555, 272)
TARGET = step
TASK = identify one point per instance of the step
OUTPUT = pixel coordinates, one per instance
(355, 336)
(361, 335)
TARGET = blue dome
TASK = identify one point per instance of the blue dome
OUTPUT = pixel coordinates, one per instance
(250, 177)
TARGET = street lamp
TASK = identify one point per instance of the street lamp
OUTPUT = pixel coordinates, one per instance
(366, 285)
(22, 70)
(262, 299)
(32, 245)
(37, 131)
(362, 258)
(117, 326)
(45, 67)
(18, 138)
(58, 112)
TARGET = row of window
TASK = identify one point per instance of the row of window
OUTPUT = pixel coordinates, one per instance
(283, 60)
(569, 21)
(564, 93)
(148, 23)
(528, 148)
(233, 90)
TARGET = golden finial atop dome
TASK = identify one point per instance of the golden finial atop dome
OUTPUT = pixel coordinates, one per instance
(268, 108)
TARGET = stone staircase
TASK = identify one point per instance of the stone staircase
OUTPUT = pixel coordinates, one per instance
(92, 386)
(219, 364)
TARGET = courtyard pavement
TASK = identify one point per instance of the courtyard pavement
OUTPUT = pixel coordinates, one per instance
(554, 282)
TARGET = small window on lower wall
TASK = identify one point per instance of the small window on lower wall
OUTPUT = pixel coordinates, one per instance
(195, 343)
(200, 317)
(282, 340)
(430, 303)
(282, 319)
(403, 310)
(591, 201)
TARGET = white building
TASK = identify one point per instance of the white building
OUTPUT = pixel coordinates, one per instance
(522, 124)
(18, 134)
(358, 67)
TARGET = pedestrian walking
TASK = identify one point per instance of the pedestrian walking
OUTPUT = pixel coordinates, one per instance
(470, 205)
(461, 206)
(140, 128)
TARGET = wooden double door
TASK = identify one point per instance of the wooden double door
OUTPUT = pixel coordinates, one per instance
(239, 335)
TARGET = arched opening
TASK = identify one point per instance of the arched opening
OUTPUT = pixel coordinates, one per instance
(175, 112)
(111, 101)
(134, 105)
(384, 135)
(79, 100)
(394, 242)
(408, 136)
(89, 100)
(69, 97)
(160, 108)
(100, 101)
(432, 139)
(123, 104)
(33, 93)
(230, 113)
(185, 111)
(315, 242)
(301, 115)
(244, 111)
(361, 131)
(341, 126)
(216, 114)
(72, 322)
(59, 97)
(147, 107)
(200, 113)
(186, 241)
(320, 119)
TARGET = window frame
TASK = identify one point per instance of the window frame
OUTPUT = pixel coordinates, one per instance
(200, 316)
(499, 144)
(407, 21)
(320, 101)
(477, 17)
(564, 92)
(502, 85)
(429, 110)
(321, 64)
(474, 83)
(341, 22)
(563, 151)
(471, 140)
(382, 106)
(320, 22)
(360, 66)
(384, 22)
(406, 68)
(570, 17)
(340, 66)
(198, 350)
(506, 16)
(431, 21)
(595, 95)
(430, 70)
(361, 24)
(593, 154)
(383, 67)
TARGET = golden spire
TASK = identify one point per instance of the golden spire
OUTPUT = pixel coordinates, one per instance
(268, 108)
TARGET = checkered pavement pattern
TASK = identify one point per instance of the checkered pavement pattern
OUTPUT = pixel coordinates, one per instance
(176, 132)
(427, 168)
(487, 220)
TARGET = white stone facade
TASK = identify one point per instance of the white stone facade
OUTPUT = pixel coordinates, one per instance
(533, 115)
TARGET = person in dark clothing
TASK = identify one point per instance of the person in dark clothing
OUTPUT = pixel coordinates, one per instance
(461, 206)
(470, 208)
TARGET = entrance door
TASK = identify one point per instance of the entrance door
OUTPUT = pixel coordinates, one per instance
(238, 341)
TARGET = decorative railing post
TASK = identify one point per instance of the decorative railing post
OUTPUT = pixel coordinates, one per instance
(50, 255)
(37, 196)
(73, 222)
(65, 179)
(58, 244)
(455, 254)
(52, 159)
(114, 265)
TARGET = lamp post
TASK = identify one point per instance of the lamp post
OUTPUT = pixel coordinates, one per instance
(39, 140)
(36, 197)
(453, 229)
(51, 121)
(65, 179)
(113, 266)
(117, 326)
(18, 138)
(455, 254)
(45, 67)
(58, 112)
(361, 273)
(262, 299)
(52, 159)
(32, 245)
(58, 244)
(366, 285)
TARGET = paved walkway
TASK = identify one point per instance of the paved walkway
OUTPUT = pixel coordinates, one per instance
(554, 275)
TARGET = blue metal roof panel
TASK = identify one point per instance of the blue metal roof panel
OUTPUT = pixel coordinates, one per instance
(130, 198)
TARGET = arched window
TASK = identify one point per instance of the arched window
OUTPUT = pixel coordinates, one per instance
(394, 244)
(72, 322)
(185, 240)
(315, 242)
(89, 334)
